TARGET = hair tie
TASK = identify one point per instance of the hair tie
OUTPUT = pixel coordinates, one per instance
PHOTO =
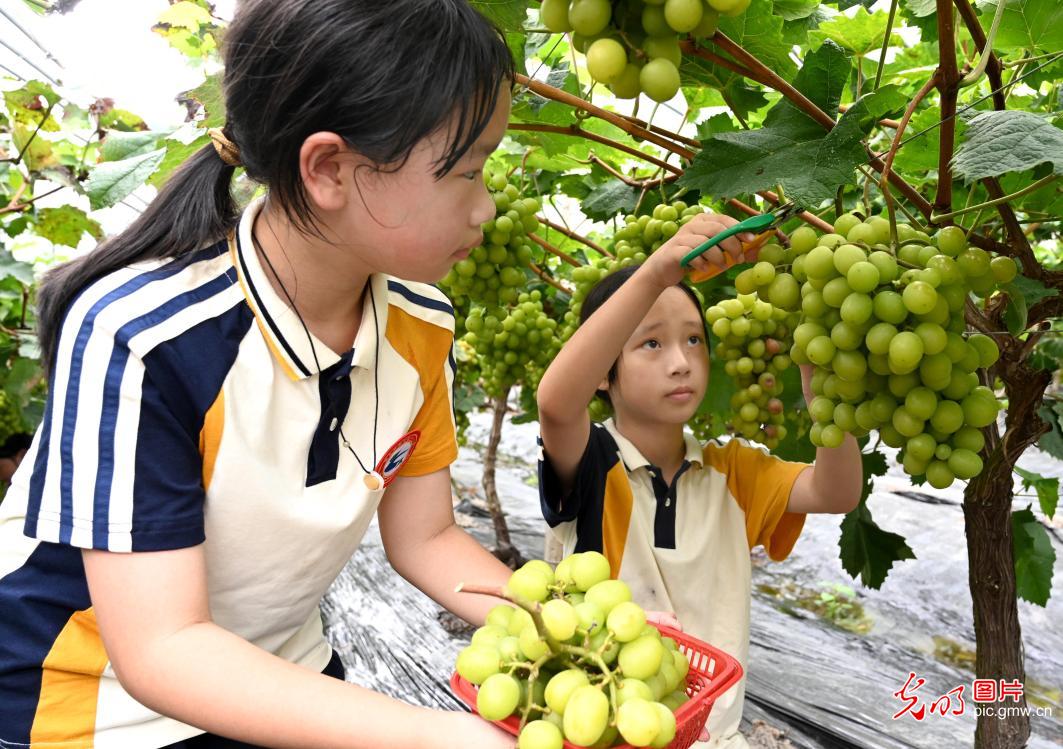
(227, 150)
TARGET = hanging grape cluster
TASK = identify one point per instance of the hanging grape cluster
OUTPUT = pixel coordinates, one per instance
(885, 330)
(633, 45)
(755, 338)
(513, 343)
(493, 274)
(588, 668)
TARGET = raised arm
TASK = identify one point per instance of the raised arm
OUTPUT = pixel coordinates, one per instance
(576, 373)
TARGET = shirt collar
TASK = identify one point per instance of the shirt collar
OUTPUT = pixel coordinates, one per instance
(633, 457)
(293, 346)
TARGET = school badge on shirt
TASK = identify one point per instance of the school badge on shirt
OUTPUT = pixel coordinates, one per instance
(396, 456)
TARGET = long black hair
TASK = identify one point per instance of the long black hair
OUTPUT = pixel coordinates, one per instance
(382, 75)
(608, 286)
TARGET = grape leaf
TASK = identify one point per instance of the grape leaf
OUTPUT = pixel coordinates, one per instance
(1026, 24)
(1052, 441)
(1047, 489)
(120, 144)
(210, 96)
(759, 32)
(794, 10)
(507, 15)
(1034, 558)
(718, 123)
(1022, 294)
(1008, 141)
(791, 149)
(121, 119)
(867, 551)
(796, 445)
(609, 199)
(111, 181)
(921, 8)
(177, 152)
(717, 401)
(28, 104)
(186, 15)
(796, 31)
(822, 79)
(22, 272)
(862, 33)
(65, 225)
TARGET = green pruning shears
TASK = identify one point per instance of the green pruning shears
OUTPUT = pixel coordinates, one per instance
(762, 225)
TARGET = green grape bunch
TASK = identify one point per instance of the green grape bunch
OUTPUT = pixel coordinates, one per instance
(576, 660)
(633, 45)
(755, 338)
(884, 327)
(512, 344)
(493, 274)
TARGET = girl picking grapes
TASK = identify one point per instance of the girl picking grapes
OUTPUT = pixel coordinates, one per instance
(676, 519)
(234, 396)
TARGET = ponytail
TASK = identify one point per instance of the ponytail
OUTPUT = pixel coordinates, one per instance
(193, 210)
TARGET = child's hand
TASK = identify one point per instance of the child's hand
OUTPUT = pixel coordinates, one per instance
(664, 262)
(665, 618)
(806, 382)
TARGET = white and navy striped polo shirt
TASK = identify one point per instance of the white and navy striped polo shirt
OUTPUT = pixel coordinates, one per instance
(186, 408)
(681, 547)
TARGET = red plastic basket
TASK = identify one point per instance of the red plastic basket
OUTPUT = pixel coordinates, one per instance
(712, 672)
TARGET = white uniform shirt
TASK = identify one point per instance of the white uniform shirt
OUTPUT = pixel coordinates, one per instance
(187, 408)
(685, 547)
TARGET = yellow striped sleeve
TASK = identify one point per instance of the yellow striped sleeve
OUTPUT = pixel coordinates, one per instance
(616, 515)
(760, 483)
(427, 348)
(210, 437)
(70, 683)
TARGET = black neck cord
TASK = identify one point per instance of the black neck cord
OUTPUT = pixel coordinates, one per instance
(313, 351)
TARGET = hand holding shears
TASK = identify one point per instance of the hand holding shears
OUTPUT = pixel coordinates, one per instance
(720, 258)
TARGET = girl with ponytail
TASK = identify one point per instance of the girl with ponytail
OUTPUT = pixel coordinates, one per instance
(234, 394)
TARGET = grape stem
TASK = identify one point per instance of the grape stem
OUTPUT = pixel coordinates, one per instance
(809, 218)
(935, 218)
(751, 211)
(885, 122)
(639, 183)
(553, 250)
(573, 235)
(533, 674)
(948, 84)
(993, 65)
(691, 48)
(597, 660)
(892, 153)
(550, 92)
(885, 44)
(576, 130)
(547, 279)
(484, 590)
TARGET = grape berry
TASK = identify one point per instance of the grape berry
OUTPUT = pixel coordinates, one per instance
(587, 668)
(633, 46)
